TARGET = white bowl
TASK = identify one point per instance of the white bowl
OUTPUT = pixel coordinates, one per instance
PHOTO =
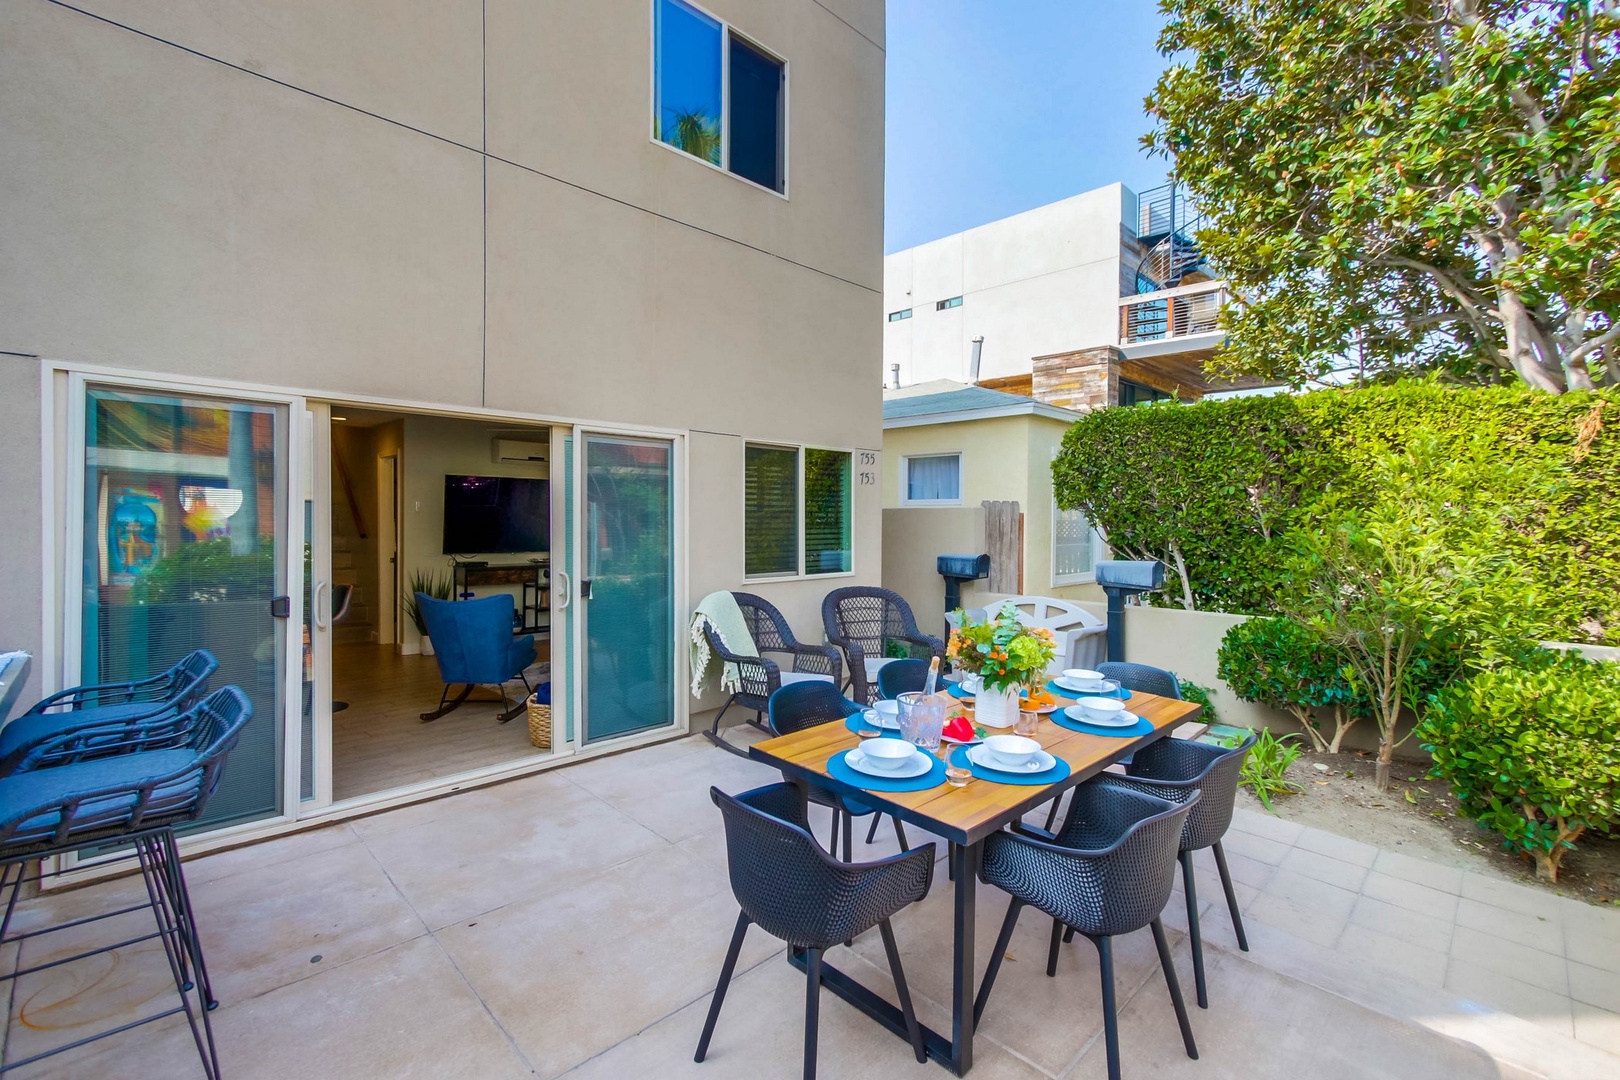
(1084, 678)
(972, 684)
(1013, 751)
(1101, 707)
(887, 754)
(888, 707)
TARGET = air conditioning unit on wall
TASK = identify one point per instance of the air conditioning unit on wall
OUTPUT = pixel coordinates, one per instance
(510, 450)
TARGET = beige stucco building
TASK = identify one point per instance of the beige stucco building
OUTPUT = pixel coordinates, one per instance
(948, 448)
(229, 228)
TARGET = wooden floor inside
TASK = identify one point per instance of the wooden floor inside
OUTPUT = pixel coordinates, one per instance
(380, 741)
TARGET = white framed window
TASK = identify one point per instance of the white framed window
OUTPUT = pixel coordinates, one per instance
(798, 511)
(1076, 547)
(903, 313)
(718, 96)
(945, 305)
(931, 480)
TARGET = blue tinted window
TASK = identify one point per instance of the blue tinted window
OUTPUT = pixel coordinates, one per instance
(903, 313)
(687, 106)
(955, 301)
(756, 115)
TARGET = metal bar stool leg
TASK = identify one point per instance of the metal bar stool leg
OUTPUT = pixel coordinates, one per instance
(173, 947)
(1193, 935)
(1169, 970)
(1231, 897)
(913, 1029)
(720, 988)
(188, 917)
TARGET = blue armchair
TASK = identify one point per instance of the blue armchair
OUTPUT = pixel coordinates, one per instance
(473, 642)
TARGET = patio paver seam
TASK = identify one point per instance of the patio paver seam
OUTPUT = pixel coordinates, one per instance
(482, 1004)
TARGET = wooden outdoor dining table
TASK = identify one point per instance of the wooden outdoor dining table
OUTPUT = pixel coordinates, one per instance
(964, 817)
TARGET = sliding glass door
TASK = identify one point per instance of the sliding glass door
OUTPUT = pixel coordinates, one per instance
(183, 547)
(626, 587)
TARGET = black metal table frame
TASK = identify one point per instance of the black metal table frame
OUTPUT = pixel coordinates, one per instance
(966, 849)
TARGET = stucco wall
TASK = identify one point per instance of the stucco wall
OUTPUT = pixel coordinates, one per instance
(452, 204)
(1040, 282)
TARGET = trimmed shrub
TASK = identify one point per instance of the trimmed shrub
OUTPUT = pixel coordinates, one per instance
(1278, 662)
(1532, 751)
(1218, 489)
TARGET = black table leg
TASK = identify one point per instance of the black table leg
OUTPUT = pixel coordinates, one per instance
(964, 861)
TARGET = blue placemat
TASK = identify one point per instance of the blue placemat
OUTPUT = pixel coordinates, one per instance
(955, 690)
(838, 770)
(857, 722)
(1062, 719)
(1057, 772)
(1063, 691)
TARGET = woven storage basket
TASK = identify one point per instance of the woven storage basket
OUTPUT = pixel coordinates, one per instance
(539, 724)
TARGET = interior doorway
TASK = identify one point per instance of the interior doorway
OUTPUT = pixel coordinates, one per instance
(456, 509)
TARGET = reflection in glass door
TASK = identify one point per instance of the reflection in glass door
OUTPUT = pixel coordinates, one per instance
(183, 548)
(626, 590)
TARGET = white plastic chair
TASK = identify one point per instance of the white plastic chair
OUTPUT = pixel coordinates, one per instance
(1081, 636)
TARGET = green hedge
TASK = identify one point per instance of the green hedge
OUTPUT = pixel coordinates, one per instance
(1213, 489)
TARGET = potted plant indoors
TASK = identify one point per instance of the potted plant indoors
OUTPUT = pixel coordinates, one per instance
(1003, 656)
(431, 584)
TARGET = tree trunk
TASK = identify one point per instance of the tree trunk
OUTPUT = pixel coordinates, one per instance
(1547, 863)
(1186, 582)
(1342, 723)
(1311, 730)
(1523, 337)
(1386, 755)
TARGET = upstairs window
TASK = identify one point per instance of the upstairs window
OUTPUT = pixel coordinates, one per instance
(955, 301)
(903, 313)
(717, 96)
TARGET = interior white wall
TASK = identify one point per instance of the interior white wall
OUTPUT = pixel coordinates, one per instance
(1041, 282)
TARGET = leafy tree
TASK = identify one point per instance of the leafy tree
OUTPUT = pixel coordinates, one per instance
(1426, 184)
(1280, 663)
(1410, 589)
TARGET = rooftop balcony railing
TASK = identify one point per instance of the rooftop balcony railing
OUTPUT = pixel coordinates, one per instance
(1186, 311)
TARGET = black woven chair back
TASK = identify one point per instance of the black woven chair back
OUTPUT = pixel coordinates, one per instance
(1111, 869)
(789, 886)
(800, 705)
(766, 624)
(868, 616)
(1178, 767)
(1143, 677)
(901, 677)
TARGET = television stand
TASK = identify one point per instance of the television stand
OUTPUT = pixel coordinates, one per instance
(533, 604)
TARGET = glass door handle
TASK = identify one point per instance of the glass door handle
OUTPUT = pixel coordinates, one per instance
(565, 593)
(318, 605)
(584, 588)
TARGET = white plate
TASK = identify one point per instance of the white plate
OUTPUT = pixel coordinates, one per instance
(1123, 718)
(876, 719)
(986, 760)
(917, 765)
(1076, 685)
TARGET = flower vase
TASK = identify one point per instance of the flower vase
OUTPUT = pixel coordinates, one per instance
(996, 708)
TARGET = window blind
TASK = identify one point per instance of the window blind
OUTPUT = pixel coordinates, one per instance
(826, 512)
(770, 510)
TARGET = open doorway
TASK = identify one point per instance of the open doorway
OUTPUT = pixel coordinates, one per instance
(457, 509)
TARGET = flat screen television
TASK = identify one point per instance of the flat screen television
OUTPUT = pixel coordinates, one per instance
(495, 515)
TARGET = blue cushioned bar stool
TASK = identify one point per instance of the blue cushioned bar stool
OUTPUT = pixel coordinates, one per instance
(474, 645)
(133, 791)
(128, 702)
(788, 887)
(1108, 872)
(1178, 770)
(801, 705)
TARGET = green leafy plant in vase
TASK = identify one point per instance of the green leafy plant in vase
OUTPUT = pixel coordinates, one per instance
(1000, 656)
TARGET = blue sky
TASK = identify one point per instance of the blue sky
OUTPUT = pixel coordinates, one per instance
(998, 106)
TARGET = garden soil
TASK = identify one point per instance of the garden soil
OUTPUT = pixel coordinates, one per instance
(1419, 817)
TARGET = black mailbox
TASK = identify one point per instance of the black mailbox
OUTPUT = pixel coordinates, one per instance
(1120, 578)
(956, 569)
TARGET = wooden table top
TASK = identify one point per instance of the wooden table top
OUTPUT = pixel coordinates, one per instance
(968, 814)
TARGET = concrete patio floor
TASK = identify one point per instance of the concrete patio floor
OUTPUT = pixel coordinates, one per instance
(573, 923)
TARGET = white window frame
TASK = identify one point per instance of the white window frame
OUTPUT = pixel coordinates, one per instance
(905, 479)
(727, 32)
(1098, 550)
(799, 573)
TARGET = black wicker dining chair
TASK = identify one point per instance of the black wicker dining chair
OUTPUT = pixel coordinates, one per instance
(1143, 677)
(1178, 770)
(788, 887)
(865, 622)
(801, 705)
(761, 677)
(1108, 872)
